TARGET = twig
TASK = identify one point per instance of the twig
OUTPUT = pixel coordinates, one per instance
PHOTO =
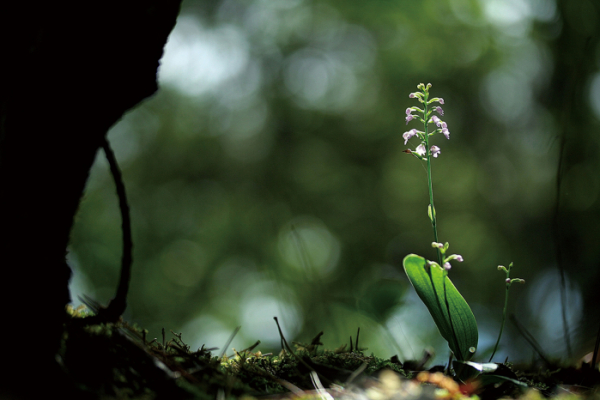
(294, 354)
(529, 338)
(236, 330)
(117, 305)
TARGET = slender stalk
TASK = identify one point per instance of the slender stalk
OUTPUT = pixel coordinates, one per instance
(503, 320)
(433, 216)
(429, 180)
(509, 282)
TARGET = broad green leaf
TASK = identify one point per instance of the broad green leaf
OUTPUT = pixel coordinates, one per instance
(458, 327)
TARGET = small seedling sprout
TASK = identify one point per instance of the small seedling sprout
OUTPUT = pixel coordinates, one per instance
(509, 282)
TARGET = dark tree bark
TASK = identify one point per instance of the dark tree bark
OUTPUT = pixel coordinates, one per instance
(71, 69)
(574, 53)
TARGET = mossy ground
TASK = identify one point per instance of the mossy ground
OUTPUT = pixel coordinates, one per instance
(117, 361)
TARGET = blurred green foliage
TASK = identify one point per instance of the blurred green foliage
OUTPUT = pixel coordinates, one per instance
(267, 176)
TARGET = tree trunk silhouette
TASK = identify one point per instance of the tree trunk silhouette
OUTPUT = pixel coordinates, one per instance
(568, 99)
(71, 69)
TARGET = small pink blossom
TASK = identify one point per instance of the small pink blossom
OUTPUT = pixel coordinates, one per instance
(436, 120)
(447, 266)
(439, 110)
(420, 150)
(446, 132)
(409, 118)
(441, 101)
(408, 135)
(435, 151)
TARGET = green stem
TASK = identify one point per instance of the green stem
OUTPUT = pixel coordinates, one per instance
(434, 219)
(503, 319)
(430, 181)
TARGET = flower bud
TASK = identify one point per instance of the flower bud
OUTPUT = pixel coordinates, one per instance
(431, 214)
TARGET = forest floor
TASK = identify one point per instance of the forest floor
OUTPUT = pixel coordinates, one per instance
(116, 361)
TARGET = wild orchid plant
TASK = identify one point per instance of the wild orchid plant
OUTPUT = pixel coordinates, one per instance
(449, 310)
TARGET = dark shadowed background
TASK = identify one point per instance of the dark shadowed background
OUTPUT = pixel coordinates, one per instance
(267, 176)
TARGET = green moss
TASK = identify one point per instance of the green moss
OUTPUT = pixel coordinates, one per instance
(117, 361)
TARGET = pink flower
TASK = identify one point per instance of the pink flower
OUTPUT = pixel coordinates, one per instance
(420, 150)
(439, 110)
(436, 120)
(446, 132)
(435, 151)
(408, 135)
(409, 118)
